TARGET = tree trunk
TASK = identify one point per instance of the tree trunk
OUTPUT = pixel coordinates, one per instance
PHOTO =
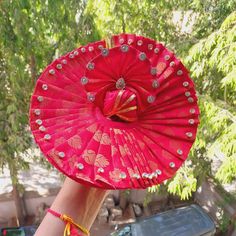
(18, 205)
(17, 198)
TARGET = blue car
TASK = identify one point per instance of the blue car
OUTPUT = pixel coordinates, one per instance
(185, 221)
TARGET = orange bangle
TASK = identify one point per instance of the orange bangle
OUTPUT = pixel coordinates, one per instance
(69, 222)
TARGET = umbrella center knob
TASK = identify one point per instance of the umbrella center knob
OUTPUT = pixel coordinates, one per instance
(120, 83)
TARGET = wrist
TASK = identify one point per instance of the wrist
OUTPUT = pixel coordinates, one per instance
(80, 202)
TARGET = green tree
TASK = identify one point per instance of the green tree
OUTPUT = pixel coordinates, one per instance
(212, 62)
(148, 18)
(32, 34)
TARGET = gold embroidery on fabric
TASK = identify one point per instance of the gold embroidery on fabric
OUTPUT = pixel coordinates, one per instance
(89, 156)
(148, 140)
(98, 135)
(153, 165)
(117, 101)
(134, 171)
(101, 161)
(72, 162)
(115, 175)
(130, 99)
(160, 67)
(117, 131)
(92, 158)
(167, 73)
(75, 142)
(127, 109)
(141, 144)
(92, 128)
(102, 138)
(113, 150)
(126, 118)
(124, 150)
(105, 139)
(59, 141)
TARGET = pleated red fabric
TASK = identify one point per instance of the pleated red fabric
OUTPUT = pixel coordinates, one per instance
(116, 118)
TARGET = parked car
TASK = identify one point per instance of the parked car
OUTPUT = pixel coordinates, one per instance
(184, 221)
(18, 231)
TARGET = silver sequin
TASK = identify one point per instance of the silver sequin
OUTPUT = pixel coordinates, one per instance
(40, 98)
(130, 41)
(191, 121)
(80, 166)
(185, 84)
(150, 99)
(105, 52)
(122, 175)
(189, 134)
(142, 56)
(187, 94)
(59, 66)
(100, 170)
(90, 97)
(100, 47)
(47, 136)
(90, 66)
(156, 50)
(167, 57)
(37, 112)
(124, 48)
(137, 176)
(84, 80)
(158, 172)
(45, 87)
(64, 61)
(192, 111)
(91, 48)
(140, 43)
(144, 175)
(172, 64)
(39, 122)
(153, 71)
(179, 72)
(190, 99)
(71, 55)
(76, 53)
(42, 128)
(172, 165)
(83, 50)
(51, 72)
(180, 152)
(150, 176)
(61, 154)
(155, 84)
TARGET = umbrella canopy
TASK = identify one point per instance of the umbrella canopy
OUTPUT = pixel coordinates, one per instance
(116, 118)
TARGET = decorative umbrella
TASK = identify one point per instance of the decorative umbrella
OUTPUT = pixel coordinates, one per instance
(116, 118)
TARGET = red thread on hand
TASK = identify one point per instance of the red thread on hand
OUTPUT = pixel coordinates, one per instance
(54, 213)
(70, 224)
